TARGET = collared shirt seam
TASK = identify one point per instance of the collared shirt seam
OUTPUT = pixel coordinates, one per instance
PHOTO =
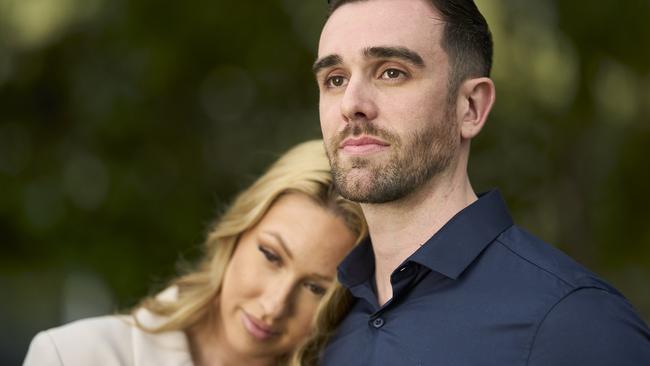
(548, 312)
(556, 276)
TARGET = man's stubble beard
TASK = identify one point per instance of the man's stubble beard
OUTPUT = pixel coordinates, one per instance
(414, 161)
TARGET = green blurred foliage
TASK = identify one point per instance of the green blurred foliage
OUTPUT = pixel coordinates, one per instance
(126, 126)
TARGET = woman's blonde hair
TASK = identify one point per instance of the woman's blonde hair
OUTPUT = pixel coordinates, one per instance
(303, 169)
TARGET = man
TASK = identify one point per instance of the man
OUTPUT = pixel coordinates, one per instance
(446, 278)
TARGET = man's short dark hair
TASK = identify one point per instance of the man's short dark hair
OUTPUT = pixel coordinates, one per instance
(466, 39)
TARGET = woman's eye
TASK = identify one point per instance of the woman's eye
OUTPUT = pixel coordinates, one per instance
(315, 289)
(335, 81)
(269, 255)
(392, 74)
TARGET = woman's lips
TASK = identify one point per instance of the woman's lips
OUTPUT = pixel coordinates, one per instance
(257, 328)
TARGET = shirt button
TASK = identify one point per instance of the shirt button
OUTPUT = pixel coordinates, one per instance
(378, 323)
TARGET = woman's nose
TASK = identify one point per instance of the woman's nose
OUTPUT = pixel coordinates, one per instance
(277, 299)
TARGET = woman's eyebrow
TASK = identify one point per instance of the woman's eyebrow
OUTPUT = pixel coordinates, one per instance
(322, 277)
(281, 241)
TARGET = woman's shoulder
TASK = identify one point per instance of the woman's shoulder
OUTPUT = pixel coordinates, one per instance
(104, 327)
(109, 340)
(105, 340)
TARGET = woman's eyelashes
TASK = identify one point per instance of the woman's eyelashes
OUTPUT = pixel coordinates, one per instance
(276, 260)
(315, 289)
(270, 255)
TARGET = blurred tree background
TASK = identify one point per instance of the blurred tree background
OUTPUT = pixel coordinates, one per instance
(126, 126)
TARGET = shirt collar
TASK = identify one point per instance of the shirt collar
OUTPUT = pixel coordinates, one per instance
(449, 251)
(358, 265)
(457, 244)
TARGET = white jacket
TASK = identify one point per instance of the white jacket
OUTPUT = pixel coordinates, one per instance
(109, 340)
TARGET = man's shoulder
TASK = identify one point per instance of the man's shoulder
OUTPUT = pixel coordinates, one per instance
(550, 259)
(551, 265)
(591, 326)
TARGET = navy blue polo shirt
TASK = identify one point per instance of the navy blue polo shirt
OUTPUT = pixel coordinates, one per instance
(482, 291)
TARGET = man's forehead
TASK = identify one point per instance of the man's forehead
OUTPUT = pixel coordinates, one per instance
(359, 25)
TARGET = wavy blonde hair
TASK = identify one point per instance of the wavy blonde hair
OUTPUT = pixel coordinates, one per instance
(303, 169)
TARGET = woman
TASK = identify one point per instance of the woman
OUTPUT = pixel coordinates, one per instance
(269, 267)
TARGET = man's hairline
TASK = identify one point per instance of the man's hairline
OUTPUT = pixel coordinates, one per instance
(457, 75)
(441, 19)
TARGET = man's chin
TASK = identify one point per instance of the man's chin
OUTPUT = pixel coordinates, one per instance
(354, 184)
(354, 175)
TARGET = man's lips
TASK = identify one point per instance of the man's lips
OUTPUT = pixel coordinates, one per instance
(363, 145)
(257, 328)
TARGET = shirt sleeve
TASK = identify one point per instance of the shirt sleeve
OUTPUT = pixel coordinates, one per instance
(42, 352)
(593, 327)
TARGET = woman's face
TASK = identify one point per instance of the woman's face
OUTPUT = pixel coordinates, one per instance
(278, 274)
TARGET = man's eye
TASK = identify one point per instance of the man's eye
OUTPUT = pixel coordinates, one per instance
(392, 74)
(335, 81)
(315, 289)
(269, 255)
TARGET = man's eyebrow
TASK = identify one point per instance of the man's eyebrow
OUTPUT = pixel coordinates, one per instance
(402, 53)
(327, 61)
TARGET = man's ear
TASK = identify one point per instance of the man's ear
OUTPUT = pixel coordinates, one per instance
(476, 100)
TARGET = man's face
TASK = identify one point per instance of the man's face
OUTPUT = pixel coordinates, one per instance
(386, 118)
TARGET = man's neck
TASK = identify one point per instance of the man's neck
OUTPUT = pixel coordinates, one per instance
(399, 228)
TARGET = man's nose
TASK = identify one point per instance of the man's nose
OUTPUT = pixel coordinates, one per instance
(277, 300)
(358, 103)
